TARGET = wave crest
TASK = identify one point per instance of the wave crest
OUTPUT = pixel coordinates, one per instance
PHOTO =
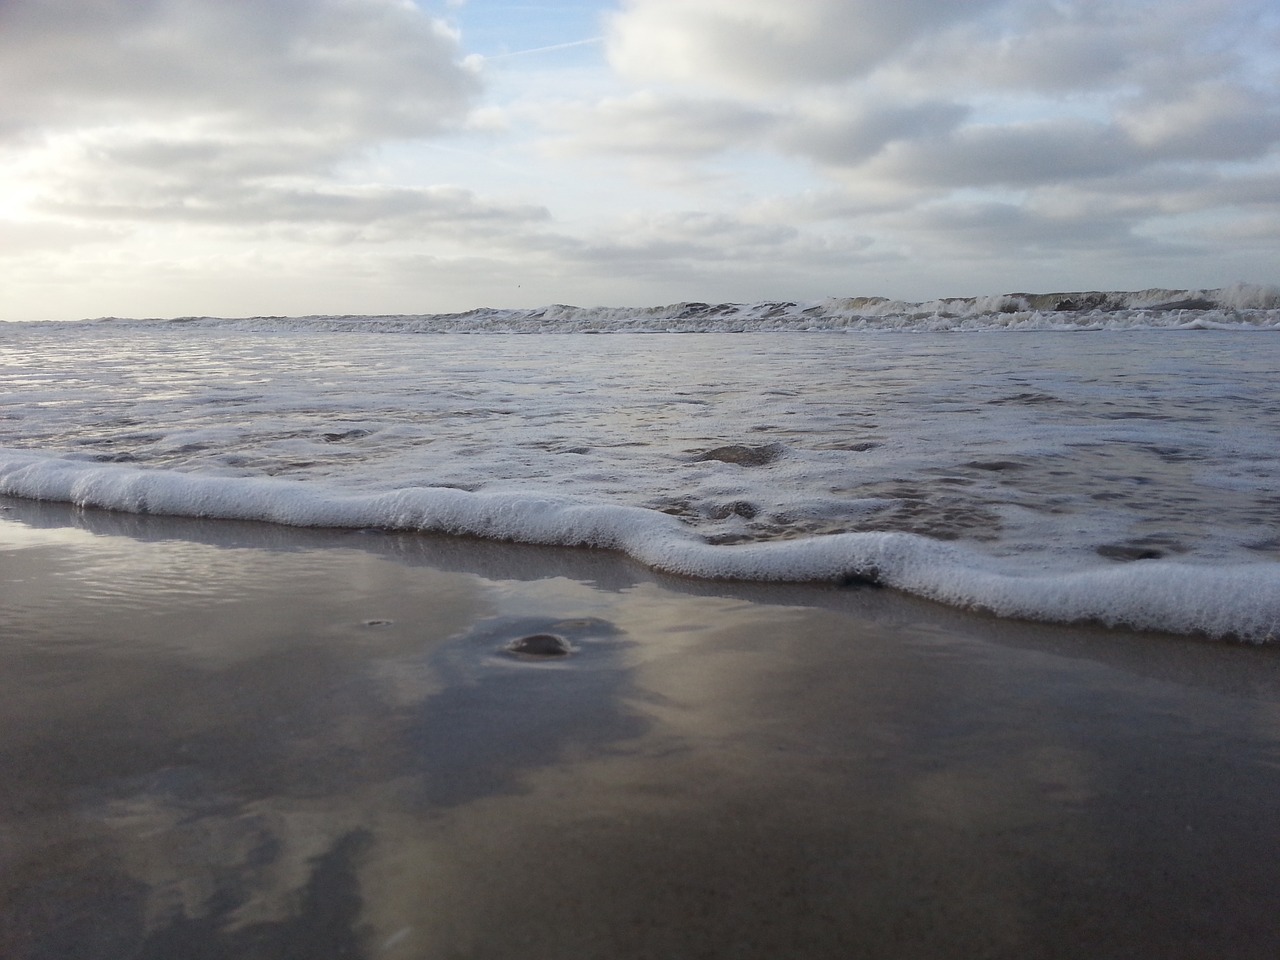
(1239, 307)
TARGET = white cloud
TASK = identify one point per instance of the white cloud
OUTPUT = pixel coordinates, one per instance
(762, 45)
(25, 237)
(210, 111)
(981, 129)
(349, 68)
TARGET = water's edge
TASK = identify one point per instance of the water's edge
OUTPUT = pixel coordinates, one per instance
(1237, 602)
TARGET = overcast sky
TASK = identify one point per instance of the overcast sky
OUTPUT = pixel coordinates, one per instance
(176, 157)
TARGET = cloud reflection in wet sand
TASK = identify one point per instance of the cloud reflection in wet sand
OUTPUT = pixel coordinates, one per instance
(746, 772)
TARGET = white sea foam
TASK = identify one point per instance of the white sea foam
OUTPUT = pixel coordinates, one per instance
(1126, 477)
(1243, 601)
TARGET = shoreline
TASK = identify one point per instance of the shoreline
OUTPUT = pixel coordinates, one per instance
(1235, 603)
(263, 739)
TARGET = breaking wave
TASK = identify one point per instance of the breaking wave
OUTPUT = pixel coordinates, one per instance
(1240, 307)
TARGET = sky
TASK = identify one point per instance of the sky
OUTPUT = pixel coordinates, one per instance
(290, 157)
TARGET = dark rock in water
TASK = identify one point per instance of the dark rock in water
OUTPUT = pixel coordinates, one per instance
(743, 455)
(540, 645)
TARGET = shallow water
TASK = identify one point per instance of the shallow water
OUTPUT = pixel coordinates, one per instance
(1038, 453)
(233, 740)
(1044, 446)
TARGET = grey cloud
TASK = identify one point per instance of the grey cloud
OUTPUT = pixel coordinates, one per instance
(1004, 227)
(1049, 50)
(217, 112)
(761, 44)
(1055, 61)
(380, 213)
(1015, 155)
(863, 133)
(713, 273)
(211, 159)
(1256, 232)
(719, 229)
(1124, 46)
(687, 236)
(1169, 191)
(352, 67)
(851, 202)
(1209, 122)
(684, 243)
(649, 125)
(1129, 86)
(1260, 191)
(370, 205)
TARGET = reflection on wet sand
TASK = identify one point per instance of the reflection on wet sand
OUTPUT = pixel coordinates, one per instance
(226, 742)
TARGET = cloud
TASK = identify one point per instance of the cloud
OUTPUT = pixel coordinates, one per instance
(648, 124)
(996, 229)
(1040, 49)
(377, 213)
(699, 235)
(1014, 155)
(200, 181)
(20, 238)
(851, 136)
(938, 95)
(352, 68)
(989, 126)
(763, 45)
(208, 112)
(1215, 121)
(205, 182)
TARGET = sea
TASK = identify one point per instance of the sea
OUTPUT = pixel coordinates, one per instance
(1101, 457)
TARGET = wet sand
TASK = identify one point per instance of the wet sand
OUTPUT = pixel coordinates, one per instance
(226, 740)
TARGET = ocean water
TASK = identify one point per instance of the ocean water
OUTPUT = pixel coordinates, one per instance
(1114, 463)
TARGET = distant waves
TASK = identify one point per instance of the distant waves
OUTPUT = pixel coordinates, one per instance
(1242, 307)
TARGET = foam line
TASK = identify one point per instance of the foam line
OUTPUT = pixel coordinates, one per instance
(1240, 601)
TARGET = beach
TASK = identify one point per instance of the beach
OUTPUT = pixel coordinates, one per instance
(230, 739)
(639, 480)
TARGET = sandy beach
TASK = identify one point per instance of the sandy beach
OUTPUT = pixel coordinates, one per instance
(233, 740)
